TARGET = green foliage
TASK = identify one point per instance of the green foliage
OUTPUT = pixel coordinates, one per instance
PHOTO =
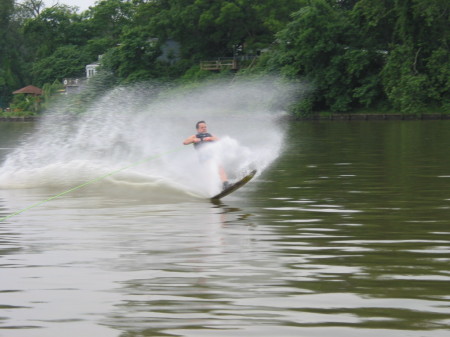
(354, 54)
(303, 108)
(25, 104)
(50, 91)
(135, 57)
(208, 29)
(417, 69)
(438, 67)
(412, 91)
(10, 56)
(108, 18)
(322, 45)
(66, 61)
(363, 54)
(415, 35)
(54, 27)
(6, 9)
(195, 74)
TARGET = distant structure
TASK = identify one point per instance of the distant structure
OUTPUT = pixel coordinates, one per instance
(222, 63)
(170, 53)
(73, 85)
(29, 90)
(229, 63)
(91, 69)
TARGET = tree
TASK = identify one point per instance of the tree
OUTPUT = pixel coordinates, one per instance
(354, 53)
(108, 18)
(135, 56)
(323, 46)
(10, 67)
(66, 61)
(415, 35)
(52, 28)
(30, 9)
(366, 54)
(208, 29)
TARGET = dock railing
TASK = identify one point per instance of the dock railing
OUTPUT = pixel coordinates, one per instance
(221, 63)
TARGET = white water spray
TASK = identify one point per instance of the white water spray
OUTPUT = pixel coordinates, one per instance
(129, 124)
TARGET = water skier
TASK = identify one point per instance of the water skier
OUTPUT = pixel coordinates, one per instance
(200, 139)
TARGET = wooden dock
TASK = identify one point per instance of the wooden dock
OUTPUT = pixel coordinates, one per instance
(223, 63)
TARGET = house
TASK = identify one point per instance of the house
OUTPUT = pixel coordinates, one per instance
(91, 69)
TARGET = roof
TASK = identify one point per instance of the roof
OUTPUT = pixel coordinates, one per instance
(29, 89)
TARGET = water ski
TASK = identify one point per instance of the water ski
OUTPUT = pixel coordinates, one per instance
(233, 187)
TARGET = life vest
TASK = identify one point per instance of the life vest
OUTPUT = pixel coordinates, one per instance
(201, 136)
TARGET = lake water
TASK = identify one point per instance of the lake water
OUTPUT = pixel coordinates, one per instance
(345, 233)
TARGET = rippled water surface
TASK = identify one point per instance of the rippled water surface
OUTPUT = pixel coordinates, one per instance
(346, 234)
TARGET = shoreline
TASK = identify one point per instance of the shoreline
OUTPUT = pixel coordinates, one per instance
(19, 119)
(316, 117)
(375, 116)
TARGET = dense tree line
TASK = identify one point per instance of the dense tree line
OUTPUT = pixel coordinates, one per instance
(353, 54)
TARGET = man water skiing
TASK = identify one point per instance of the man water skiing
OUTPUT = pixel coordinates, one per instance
(201, 139)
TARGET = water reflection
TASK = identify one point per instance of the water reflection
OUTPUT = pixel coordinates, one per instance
(195, 281)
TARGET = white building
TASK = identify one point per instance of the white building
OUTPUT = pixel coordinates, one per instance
(91, 70)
